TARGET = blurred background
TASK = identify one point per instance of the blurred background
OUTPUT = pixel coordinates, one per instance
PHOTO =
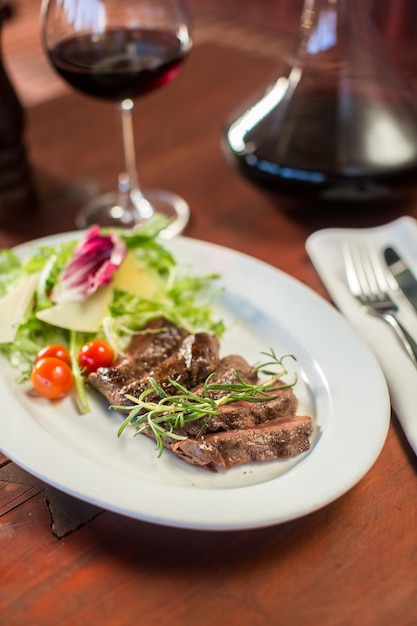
(266, 27)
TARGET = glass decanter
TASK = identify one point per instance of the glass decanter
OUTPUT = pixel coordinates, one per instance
(339, 124)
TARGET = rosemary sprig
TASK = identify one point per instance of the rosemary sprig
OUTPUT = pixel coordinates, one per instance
(172, 411)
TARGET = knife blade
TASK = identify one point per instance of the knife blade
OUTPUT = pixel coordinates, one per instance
(403, 276)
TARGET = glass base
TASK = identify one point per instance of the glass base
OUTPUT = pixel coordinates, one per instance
(107, 210)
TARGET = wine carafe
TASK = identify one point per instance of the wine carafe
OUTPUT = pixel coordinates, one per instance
(339, 124)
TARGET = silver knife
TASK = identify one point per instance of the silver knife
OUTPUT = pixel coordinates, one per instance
(402, 275)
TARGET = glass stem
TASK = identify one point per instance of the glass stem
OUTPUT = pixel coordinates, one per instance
(128, 181)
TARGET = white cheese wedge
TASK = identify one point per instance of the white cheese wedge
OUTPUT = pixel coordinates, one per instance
(87, 315)
(83, 316)
(14, 307)
(131, 277)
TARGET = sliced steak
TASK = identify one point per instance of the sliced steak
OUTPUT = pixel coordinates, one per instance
(244, 414)
(241, 432)
(241, 414)
(276, 439)
(225, 373)
(190, 364)
(156, 343)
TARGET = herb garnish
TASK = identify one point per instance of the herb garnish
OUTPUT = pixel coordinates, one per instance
(172, 412)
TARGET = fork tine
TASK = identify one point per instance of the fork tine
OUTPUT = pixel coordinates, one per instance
(357, 269)
(367, 271)
(363, 269)
(351, 269)
(376, 266)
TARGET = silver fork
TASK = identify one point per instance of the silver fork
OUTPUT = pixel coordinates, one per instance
(366, 281)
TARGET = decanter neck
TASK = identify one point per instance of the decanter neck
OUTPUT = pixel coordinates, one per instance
(340, 39)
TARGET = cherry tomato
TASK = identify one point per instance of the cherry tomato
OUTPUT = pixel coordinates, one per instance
(51, 377)
(55, 350)
(95, 354)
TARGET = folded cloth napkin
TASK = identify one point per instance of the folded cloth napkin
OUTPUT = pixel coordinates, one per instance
(325, 250)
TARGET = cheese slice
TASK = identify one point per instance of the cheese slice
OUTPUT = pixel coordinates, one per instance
(14, 307)
(87, 315)
(131, 277)
(83, 316)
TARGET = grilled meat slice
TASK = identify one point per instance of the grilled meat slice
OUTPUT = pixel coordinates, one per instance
(190, 364)
(225, 373)
(146, 350)
(244, 414)
(241, 414)
(278, 438)
(154, 344)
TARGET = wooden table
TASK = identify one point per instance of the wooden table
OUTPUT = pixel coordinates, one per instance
(66, 562)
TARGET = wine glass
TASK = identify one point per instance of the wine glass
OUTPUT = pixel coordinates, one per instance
(119, 50)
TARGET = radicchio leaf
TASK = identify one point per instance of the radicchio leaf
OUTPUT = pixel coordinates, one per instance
(91, 265)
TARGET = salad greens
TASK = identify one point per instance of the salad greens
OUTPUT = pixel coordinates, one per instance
(177, 295)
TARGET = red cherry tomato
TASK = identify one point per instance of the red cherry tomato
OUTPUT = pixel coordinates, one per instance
(55, 350)
(95, 354)
(51, 377)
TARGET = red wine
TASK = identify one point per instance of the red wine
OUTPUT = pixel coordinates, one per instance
(328, 148)
(119, 63)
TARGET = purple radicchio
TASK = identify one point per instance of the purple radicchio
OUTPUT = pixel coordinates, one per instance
(91, 265)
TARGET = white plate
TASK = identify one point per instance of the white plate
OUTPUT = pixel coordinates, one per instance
(340, 386)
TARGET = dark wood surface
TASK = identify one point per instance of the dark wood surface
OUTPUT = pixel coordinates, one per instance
(65, 562)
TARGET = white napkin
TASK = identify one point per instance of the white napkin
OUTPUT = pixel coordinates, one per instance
(325, 251)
